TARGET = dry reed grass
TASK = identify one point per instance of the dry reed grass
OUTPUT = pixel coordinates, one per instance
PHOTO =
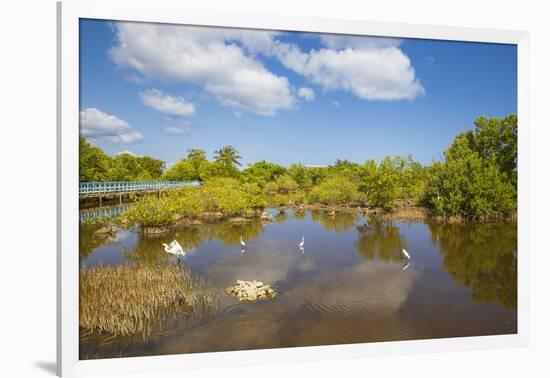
(130, 299)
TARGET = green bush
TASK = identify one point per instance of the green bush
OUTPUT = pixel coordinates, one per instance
(151, 211)
(478, 177)
(225, 195)
(334, 191)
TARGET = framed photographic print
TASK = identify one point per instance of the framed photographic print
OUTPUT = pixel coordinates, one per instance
(285, 189)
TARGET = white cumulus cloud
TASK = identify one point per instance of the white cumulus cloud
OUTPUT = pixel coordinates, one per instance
(166, 104)
(182, 129)
(95, 124)
(371, 70)
(306, 93)
(208, 57)
(342, 41)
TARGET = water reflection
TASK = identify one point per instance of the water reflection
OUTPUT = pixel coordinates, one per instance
(482, 257)
(281, 217)
(381, 240)
(103, 212)
(90, 240)
(337, 221)
(351, 285)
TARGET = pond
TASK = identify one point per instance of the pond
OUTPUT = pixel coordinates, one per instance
(350, 283)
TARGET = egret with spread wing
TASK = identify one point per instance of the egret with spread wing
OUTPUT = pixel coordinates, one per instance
(174, 248)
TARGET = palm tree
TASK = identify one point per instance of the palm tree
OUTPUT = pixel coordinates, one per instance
(196, 157)
(228, 156)
(196, 154)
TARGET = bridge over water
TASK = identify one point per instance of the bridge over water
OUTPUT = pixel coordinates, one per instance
(118, 189)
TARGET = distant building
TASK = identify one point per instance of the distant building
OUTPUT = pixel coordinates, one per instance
(315, 165)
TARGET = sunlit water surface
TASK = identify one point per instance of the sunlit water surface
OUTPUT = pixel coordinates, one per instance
(350, 284)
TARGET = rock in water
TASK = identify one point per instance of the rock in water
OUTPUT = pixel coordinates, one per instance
(108, 229)
(266, 216)
(251, 290)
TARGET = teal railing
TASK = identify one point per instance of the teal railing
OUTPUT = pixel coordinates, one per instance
(97, 188)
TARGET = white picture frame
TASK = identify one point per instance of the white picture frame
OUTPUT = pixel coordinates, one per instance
(166, 11)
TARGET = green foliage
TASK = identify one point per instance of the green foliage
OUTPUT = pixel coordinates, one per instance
(262, 173)
(300, 175)
(478, 177)
(183, 170)
(152, 166)
(496, 139)
(335, 190)
(93, 162)
(282, 184)
(96, 165)
(209, 170)
(151, 211)
(228, 156)
(225, 195)
(392, 180)
(125, 167)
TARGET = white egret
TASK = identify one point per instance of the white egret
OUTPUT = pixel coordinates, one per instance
(242, 242)
(175, 249)
(301, 245)
(406, 254)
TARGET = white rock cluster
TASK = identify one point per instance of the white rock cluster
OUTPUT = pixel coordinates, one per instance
(266, 216)
(251, 290)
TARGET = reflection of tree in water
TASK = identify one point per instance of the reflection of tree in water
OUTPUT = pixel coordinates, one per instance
(301, 215)
(316, 215)
(230, 233)
(379, 239)
(482, 257)
(339, 222)
(89, 241)
(281, 217)
(149, 249)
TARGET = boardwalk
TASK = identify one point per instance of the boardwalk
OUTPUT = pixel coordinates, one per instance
(119, 189)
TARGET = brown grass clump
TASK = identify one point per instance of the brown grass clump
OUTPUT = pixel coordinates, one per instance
(124, 300)
(405, 213)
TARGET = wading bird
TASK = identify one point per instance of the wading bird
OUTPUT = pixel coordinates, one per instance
(242, 242)
(301, 245)
(174, 248)
(406, 254)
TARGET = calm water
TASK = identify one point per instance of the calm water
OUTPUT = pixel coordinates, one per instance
(349, 285)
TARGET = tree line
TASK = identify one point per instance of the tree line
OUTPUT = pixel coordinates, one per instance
(477, 177)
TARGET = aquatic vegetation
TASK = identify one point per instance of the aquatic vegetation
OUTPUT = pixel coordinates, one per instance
(130, 299)
(225, 196)
(152, 211)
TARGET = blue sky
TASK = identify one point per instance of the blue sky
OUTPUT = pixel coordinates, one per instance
(159, 90)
